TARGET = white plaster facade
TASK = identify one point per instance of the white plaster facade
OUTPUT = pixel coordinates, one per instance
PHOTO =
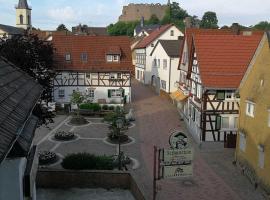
(143, 68)
(164, 68)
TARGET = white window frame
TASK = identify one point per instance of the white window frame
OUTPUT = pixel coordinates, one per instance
(250, 109)
(116, 93)
(116, 58)
(109, 58)
(61, 93)
(242, 142)
(67, 57)
(261, 156)
(222, 123)
(165, 63)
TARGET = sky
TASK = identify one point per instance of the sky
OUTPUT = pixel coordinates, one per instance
(48, 14)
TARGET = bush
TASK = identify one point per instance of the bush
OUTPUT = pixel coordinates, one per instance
(86, 161)
(109, 117)
(91, 106)
(105, 107)
(111, 108)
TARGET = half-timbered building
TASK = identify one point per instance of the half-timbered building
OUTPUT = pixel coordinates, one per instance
(217, 65)
(98, 66)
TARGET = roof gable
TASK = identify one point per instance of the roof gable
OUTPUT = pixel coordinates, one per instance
(171, 47)
(153, 36)
(223, 59)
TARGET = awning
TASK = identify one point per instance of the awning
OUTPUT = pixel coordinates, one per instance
(178, 96)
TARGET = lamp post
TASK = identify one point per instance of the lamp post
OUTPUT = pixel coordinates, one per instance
(119, 125)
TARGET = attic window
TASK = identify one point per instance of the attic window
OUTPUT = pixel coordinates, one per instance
(172, 33)
(113, 58)
(84, 57)
(68, 57)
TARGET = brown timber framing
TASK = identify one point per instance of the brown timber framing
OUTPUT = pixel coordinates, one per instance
(207, 115)
(102, 79)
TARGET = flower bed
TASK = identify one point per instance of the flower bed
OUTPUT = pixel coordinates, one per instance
(47, 157)
(64, 136)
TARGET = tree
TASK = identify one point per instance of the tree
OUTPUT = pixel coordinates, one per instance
(77, 98)
(122, 28)
(35, 57)
(153, 20)
(62, 27)
(263, 25)
(209, 20)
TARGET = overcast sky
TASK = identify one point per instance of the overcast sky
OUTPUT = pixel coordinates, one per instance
(48, 14)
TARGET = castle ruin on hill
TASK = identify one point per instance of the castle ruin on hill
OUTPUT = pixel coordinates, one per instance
(134, 12)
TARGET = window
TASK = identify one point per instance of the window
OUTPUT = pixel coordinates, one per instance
(138, 74)
(229, 95)
(242, 142)
(84, 57)
(116, 93)
(165, 64)
(61, 93)
(158, 62)
(261, 156)
(225, 122)
(155, 62)
(113, 76)
(68, 57)
(172, 33)
(163, 84)
(250, 106)
(152, 45)
(29, 19)
(88, 75)
(91, 93)
(109, 58)
(198, 91)
(220, 95)
(193, 114)
(21, 19)
(115, 58)
(119, 75)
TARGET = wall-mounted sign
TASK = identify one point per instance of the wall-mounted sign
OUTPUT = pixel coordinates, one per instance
(179, 140)
(177, 171)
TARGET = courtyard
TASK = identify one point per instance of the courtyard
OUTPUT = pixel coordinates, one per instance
(215, 177)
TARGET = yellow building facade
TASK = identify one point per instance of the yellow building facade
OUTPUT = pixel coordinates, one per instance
(253, 143)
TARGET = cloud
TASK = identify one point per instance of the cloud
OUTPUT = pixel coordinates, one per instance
(62, 14)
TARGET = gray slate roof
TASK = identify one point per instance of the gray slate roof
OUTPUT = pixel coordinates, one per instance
(172, 47)
(147, 28)
(11, 29)
(23, 4)
(95, 31)
(18, 95)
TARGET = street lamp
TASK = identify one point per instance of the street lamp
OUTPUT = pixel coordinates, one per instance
(119, 124)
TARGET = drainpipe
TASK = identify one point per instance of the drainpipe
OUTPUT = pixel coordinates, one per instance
(170, 75)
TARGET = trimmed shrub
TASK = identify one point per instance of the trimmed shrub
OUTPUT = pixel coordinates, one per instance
(91, 106)
(109, 117)
(86, 161)
(105, 107)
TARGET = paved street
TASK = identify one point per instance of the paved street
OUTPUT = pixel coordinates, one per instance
(214, 175)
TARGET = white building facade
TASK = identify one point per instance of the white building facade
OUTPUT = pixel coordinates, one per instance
(144, 49)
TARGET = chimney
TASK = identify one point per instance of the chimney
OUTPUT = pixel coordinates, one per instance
(187, 22)
(142, 21)
(235, 28)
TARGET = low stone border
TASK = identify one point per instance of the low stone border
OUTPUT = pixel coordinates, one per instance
(106, 141)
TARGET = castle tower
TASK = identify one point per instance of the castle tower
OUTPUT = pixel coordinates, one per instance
(169, 3)
(23, 15)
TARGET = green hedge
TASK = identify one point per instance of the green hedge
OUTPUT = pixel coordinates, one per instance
(91, 106)
(86, 161)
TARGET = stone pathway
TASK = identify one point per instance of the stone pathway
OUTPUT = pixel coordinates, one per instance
(214, 175)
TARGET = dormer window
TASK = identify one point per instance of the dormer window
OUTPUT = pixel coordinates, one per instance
(84, 57)
(68, 57)
(113, 58)
(172, 33)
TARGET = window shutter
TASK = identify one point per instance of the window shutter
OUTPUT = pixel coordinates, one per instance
(218, 122)
(220, 95)
(123, 93)
(109, 93)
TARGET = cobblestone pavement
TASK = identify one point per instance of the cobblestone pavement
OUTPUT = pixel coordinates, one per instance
(215, 177)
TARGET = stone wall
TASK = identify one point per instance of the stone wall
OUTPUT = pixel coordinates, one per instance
(65, 179)
(134, 12)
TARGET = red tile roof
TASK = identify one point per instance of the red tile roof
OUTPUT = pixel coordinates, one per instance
(153, 36)
(189, 32)
(96, 47)
(224, 59)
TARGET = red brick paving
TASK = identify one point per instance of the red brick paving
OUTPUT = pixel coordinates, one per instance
(156, 118)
